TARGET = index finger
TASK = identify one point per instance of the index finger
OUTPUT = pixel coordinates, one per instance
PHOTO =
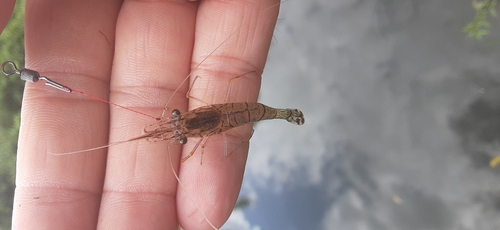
(232, 38)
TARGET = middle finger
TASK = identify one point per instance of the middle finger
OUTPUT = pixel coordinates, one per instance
(152, 56)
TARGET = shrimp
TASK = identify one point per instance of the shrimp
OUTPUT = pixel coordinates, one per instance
(214, 119)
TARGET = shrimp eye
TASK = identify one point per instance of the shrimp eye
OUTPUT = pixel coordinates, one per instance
(176, 113)
(183, 141)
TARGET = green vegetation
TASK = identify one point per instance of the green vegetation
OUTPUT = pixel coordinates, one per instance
(11, 88)
(480, 26)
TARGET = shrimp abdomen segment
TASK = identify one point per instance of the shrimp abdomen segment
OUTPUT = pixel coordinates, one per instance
(244, 113)
(214, 119)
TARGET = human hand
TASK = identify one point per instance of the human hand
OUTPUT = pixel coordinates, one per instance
(5, 12)
(135, 53)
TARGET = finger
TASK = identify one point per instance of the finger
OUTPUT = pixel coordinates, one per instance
(5, 12)
(235, 35)
(153, 52)
(71, 42)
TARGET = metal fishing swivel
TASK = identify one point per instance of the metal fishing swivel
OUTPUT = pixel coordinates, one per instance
(9, 68)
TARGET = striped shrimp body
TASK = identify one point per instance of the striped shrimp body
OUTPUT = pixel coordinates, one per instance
(214, 119)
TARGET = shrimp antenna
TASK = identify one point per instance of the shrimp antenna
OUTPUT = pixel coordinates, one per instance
(189, 75)
(185, 190)
(100, 147)
(209, 54)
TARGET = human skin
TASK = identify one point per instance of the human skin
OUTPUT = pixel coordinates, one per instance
(5, 12)
(134, 53)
